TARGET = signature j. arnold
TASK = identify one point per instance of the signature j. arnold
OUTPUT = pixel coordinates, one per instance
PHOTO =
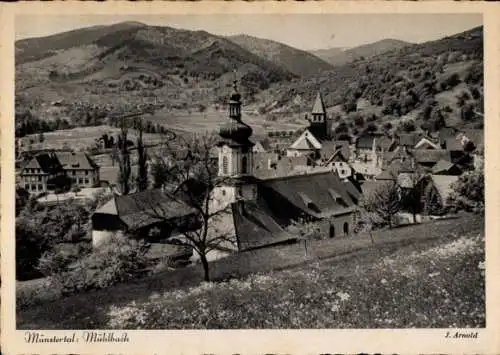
(75, 337)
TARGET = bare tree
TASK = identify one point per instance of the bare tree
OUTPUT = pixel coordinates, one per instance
(385, 201)
(190, 173)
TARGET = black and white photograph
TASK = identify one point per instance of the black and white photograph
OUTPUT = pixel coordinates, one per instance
(250, 171)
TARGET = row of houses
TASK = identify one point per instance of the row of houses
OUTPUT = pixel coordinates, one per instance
(49, 170)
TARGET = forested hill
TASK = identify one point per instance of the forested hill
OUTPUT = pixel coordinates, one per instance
(443, 76)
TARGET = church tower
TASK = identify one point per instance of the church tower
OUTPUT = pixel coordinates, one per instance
(318, 123)
(235, 156)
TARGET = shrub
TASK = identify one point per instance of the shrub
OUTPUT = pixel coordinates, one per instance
(116, 260)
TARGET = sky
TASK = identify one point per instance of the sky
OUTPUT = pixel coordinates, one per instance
(303, 31)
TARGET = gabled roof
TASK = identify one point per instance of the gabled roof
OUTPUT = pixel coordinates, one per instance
(306, 141)
(431, 155)
(443, 184)
(339, 155)
(319, 105)
(47, 162)
(427, 141)
(72, 160)
(145, 208)
(314, 187)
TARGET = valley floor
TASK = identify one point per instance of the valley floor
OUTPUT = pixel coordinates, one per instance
(428, 275)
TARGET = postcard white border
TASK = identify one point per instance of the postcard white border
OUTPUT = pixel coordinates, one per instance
(260, 341)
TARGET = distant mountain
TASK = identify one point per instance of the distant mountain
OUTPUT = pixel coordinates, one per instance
(294, 60)
(340, 56)
(135, 62)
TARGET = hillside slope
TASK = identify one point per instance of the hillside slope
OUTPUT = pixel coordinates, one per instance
(132, 62)
(337, 56)
(442, 76)
(294, 60)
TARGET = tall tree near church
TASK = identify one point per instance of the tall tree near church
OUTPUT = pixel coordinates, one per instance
(124, 160)
(142, 161)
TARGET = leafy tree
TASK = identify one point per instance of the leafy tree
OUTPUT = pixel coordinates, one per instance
(385, 201)
(468, 191)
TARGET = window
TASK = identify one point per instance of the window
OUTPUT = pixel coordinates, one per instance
(223, 192)
(39, 178)
(86, 181)
(86, 172)
(346, 228)
(40, 187)
(244, 165)
(224, 165)
(74, 173)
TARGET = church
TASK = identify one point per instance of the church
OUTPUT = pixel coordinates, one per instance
(259, 211)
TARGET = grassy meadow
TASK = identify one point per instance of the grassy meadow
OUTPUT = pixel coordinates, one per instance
(398, 280)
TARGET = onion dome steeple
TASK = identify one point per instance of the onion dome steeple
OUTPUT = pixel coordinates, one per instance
(235, 131)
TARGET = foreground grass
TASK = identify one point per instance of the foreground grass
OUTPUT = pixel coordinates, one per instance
(437, 283)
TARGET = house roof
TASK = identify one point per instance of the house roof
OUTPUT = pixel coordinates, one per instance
(47, 162)
(255, 226)
(72, 160)
(365, 141)
(319, 105)
(428, 141)
(339, 155)
(431, 155)
(144, 208)
(317, 188)
(443, 184)
(328, 148)
(441, 166)
(352, 190)
(306, 141)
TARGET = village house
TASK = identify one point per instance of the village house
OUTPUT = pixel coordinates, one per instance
(151, 214)
(80, 168)
(339, 162)
(41, 173)
(47, 170)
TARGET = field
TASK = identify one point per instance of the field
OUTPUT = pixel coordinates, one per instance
(200, 122)
(428, 275)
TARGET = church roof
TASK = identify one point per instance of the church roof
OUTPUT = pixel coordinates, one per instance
(306, 141)
(319, 195)
(255, 227)
(319, 105)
